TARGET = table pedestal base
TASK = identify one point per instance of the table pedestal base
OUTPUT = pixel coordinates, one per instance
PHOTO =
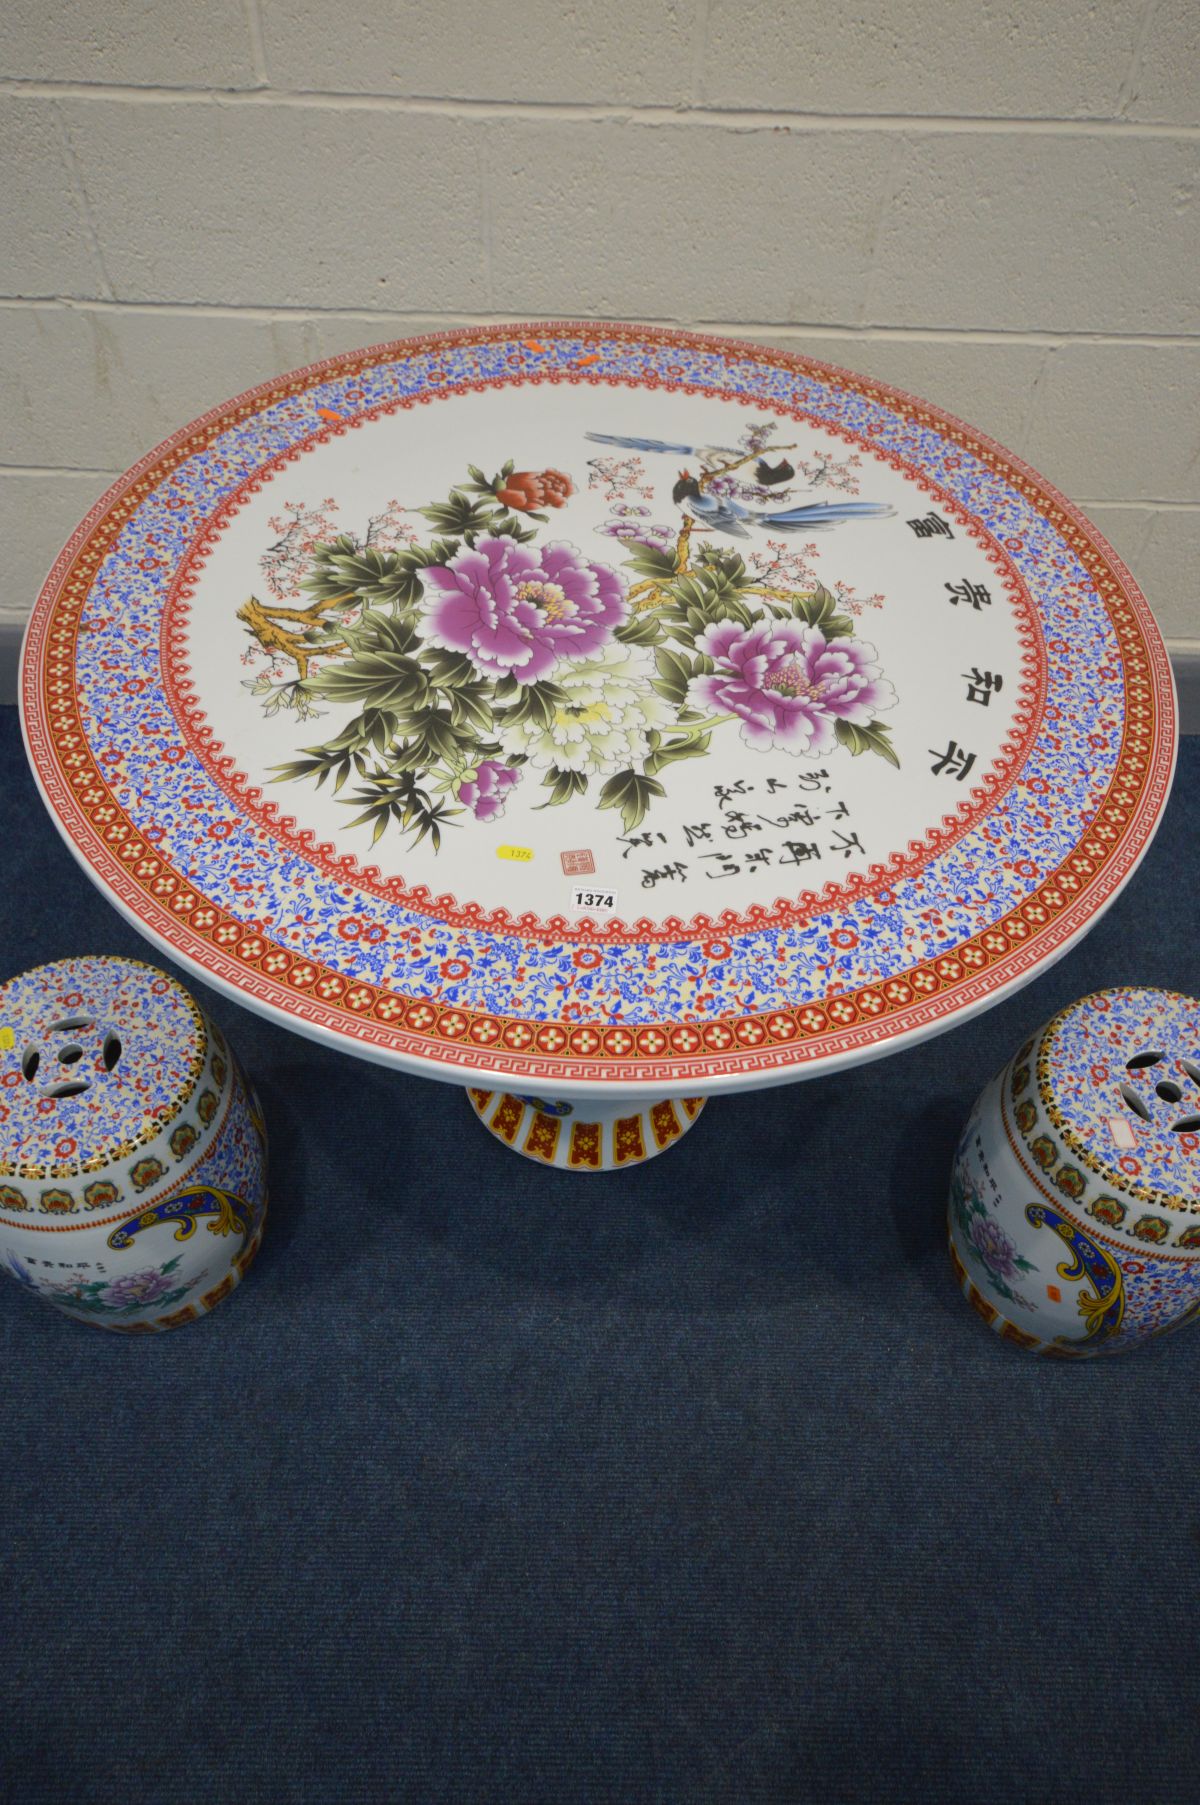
(585, 1137)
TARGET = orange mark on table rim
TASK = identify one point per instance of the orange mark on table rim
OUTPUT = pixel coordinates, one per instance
(327, 413)
(592, 358)
(531, 344)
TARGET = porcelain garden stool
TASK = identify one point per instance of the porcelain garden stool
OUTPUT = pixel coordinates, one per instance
(1075, 1196)
(132, 1150)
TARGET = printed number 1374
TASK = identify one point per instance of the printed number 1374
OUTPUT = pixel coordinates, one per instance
(594, 899)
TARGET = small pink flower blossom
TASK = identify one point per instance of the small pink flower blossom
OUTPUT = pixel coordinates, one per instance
(486, 793)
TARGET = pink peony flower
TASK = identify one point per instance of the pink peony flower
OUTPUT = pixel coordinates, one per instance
(139, 1288)
(789, 684)
(515, 610)
(993, 1247)
(486, 793)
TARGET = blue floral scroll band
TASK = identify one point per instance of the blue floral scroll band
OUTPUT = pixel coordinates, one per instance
(231, 1215)
(1103, 1308)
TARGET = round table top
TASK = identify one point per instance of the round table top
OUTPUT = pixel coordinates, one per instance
(585, 707)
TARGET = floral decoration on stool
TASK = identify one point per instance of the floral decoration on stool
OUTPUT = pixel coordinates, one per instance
(1075, 1195)
(132, 1149)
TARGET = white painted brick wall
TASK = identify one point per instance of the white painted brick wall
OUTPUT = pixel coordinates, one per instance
(992, 205)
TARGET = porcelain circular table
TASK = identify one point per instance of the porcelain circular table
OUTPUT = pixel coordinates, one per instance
(597, 717)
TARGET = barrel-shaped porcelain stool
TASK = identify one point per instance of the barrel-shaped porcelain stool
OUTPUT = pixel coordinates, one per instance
(132, 1150)
(1075, 1195)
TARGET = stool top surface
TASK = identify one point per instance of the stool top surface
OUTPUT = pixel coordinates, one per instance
(97, 1057)
(1119, 1075)
(590, 707)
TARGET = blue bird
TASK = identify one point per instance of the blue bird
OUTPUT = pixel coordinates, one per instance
(706, 453)
(724, 514)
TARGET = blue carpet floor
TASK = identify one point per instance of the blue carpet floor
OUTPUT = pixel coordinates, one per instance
(695, 1483)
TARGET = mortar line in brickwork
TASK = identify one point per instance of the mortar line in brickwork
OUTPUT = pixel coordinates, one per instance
(729, 118)
(699, 57)
(1134, 505)
(1128, 88)
(897, 153)
(484, 192)
(438, 321)
(79, 186)
(258, 49)
(58, 470)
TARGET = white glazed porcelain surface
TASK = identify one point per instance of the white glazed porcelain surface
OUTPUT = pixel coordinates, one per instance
(598, 710)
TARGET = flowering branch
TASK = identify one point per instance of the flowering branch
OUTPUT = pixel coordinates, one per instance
(261, 623)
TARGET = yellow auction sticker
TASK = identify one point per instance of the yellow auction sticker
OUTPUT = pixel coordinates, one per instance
(521, 855)
(8, 1040)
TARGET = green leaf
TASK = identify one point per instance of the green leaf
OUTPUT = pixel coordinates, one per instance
(320, 763)
(399, 798)
(649, 561)
(872, 738)
(470, 708)
(441, 736)
(632, 793)
(457, 514)
(410, 755)
(509, 527)
(674, 750)
(819, 609)
(362, 572)
(640, 630)
(536, 702)
(379, 632)
(674, 675)
(377, 727)
(692, 594)
(372, 680)
(727, 567)
(563, 785)
(449, 670)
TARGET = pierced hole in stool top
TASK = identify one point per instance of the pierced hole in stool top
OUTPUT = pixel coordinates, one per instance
(1192, 1069)
(1140, 1060)
(1169, 1091)
(1134, 1102)
(72, 1088)
(112, 1050)
(69, 1055)
(31, 1059)
(1186, 1125)
(72, 1024)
